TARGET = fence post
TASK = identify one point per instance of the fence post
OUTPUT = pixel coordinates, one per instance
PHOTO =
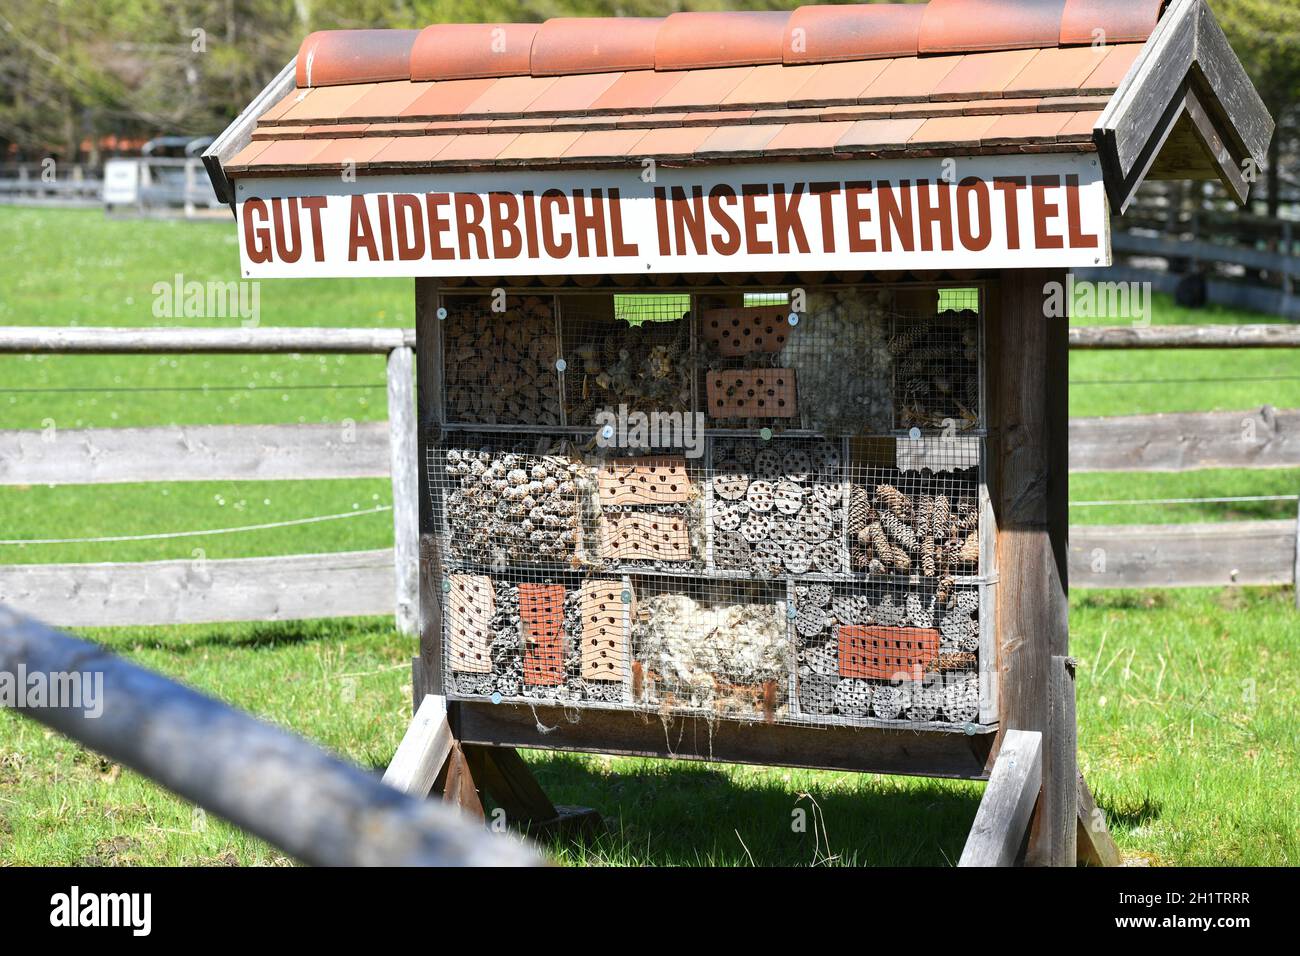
(405, 478)
(1295, 574)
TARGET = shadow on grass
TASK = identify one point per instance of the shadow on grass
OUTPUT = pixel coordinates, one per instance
(250, 635)
(673, 813)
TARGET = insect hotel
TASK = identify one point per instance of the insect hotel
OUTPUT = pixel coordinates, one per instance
(741, 344)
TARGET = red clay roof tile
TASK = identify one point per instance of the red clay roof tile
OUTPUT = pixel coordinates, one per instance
(838, 81)
(1108, 21)
(248, 153)
(1025, 128)
(330, 102)
(638, 89)
(448, 98)
(982, 74)
(952, 130)
(573, 94)
(771, 83)
(289, 152)
(413, 149)
(605, 142)
(873, 134)
(673, 141)
(1079, 125)
(353, 150)
(855, 31)
(716, 117)
(510, 94)
(387, 99)
(567, 45)
(950, 26)
(697, 40)
(1111, 70)
(739, 139)
(1056, 70)
(809, 137)
(476, 146)
(456, 51)
(539, 145)
(333, 57)
(909, 79)
(703, 89)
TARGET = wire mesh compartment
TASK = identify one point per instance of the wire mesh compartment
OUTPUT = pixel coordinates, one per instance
(554, 639)
(777, 507)
(717, 648)
(651, 512)
(936, 369)
(628, 351)
(839, 351)
(499, 363)
(508, 502)
(913, 507)
(625, 541)
(887, 652)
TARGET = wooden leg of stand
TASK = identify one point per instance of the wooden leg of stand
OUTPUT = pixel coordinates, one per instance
(459, 787)
(424, 749)
(507, 780)
(1096, 847)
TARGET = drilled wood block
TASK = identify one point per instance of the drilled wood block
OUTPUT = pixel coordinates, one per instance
(541, 607)
(751, 393)
(886, 653)
(741, 331)
(660, 480)
(604, 630)
(644, 536)
(470, 605)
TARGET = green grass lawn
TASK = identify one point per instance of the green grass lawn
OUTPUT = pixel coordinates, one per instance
(1187, 699)
(1187, 734)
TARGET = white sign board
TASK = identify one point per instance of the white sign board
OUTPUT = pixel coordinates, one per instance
(121, 182)
(990, 212)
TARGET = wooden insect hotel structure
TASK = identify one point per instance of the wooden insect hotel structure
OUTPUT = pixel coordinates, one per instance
(741, 344)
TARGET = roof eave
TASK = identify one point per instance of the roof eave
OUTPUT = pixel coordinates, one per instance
(1186, 78)
(240, 133)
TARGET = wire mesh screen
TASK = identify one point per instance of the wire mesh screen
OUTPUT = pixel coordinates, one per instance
(808, 552)
(500, 355)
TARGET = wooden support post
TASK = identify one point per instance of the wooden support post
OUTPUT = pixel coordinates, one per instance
(1028, 396)
(1095, 845)
(1003, 817)
(423, 752)
(405, 478)
(427, 677)
(1062, 764)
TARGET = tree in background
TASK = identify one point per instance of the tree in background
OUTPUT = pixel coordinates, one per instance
(74, 71)
(1266, 36)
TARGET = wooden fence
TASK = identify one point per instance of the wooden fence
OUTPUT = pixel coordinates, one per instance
(280, 588)
(376, 582)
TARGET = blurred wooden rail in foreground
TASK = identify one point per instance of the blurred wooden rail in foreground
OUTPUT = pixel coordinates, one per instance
(265, 780)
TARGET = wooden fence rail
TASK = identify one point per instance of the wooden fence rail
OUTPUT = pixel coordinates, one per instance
(1263, 336)
(1258, 438)
(201, 590)
(265, 780)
